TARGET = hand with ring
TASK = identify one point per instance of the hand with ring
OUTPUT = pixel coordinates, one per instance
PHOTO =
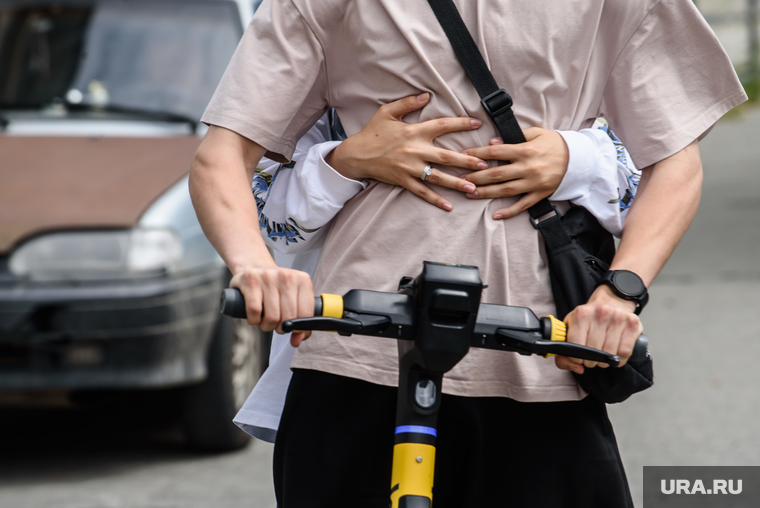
(426, 173)
(398, 153)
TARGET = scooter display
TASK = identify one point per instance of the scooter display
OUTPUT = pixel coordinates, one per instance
(436, 318)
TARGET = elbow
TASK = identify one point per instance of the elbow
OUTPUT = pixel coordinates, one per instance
(223, 159)
(694, 176)
(197, 175)
(200, 170)
(698, 180)
(681, 172)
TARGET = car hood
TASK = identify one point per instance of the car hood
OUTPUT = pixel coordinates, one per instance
(49, 183)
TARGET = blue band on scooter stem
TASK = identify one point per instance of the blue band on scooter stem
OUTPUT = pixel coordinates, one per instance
(416, 429)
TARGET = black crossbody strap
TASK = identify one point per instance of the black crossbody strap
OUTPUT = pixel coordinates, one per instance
(496, 101)
(498, 104)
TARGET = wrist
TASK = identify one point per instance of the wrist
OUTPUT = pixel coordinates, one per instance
(581, 161)
(244, 268)
(605, 295)
(249, 263)
(336, 159)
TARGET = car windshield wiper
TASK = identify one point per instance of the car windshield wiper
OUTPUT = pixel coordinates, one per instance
(148, 114)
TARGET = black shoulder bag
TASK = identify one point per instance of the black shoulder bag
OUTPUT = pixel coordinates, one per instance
(578, 248)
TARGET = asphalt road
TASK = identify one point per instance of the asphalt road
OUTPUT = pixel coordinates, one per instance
(702, 321)
(64, 458)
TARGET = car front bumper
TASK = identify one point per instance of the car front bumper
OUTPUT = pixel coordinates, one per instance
(152, 332)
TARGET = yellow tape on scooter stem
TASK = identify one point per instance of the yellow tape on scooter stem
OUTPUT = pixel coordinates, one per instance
(332, 305)
(413, 471)
(559, 331)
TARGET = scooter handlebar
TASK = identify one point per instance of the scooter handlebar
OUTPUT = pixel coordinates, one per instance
(232, 304)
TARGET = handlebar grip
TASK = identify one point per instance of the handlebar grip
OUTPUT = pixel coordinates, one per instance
(232, 304)
(640, 349)
(556, 330)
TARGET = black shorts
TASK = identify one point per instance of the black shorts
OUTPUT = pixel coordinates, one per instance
(334, 449)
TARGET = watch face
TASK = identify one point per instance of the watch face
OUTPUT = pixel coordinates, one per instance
(628, 282)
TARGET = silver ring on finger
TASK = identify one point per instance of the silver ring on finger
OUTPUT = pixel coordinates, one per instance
(426, 173)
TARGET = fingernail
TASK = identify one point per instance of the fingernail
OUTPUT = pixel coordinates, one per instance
(498, 216)
(475, 122)
(496, 141)
(469, 188)
(473, 194)
(465, 153)
(482, 165)
(423, 97)
(447, 206)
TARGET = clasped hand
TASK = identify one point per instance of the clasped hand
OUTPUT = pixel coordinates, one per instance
(394, 152)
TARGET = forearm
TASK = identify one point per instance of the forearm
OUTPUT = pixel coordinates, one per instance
(299, 201)
(220, 187)
(665, 205)
(599, 177)
(667, 199)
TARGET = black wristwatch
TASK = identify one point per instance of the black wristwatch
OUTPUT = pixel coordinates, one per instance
(628, 286)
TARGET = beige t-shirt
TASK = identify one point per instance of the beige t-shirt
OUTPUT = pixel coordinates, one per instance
(653, 69)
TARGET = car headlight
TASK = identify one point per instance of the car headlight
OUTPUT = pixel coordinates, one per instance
(95, 254)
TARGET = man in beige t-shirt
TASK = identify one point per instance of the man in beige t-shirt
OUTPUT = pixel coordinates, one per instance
(652, 68)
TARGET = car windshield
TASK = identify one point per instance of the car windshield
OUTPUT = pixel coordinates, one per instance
(156, 55)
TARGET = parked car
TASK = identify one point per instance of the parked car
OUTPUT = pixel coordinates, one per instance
(107, 282)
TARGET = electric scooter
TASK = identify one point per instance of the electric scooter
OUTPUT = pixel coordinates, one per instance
(435, 317)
